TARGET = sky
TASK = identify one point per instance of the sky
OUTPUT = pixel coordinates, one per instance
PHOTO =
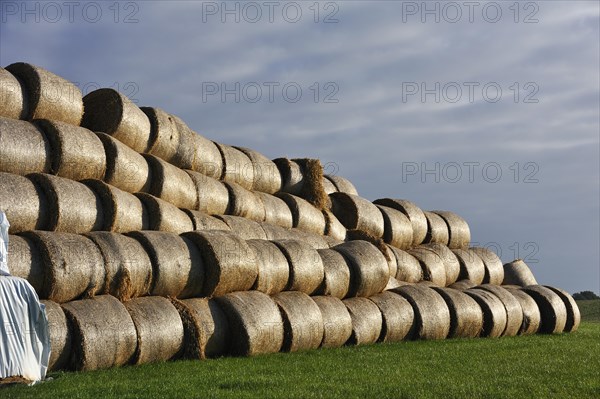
(487, 109)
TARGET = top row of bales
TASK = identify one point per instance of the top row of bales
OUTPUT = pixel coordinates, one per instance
(29, 92)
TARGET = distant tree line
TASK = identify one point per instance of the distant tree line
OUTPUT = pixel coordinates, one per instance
(584, 295)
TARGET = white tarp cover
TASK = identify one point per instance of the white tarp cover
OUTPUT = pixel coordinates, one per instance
(24, 338)
(4, 225)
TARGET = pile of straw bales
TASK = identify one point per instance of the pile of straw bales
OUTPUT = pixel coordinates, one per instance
(149, 242)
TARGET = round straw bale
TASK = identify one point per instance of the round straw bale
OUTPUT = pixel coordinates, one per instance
(302, 321)
(333, 227)
(367, 321)
(336, 282)
(408, 267)
(213, 196)
(159, 329)
(459, 234)
(108, 111)
(273, 268)
(357, 213)
(24, 204)
(573, 314)
(202, 221)
(369, 270)
(398, 317)
(305, 216)
(466, 316)
(314, 240)
(25, 261)
(514, 312)
(77, 153)
(462, 285)
(228, 262)
(73, 207)
(552, 308)
(451, 262)
(127, 265)
(531, 313)
(171, 184)
(23, 148)
(245, 228)
(432, 316)
(342, 184)
(267, 178)
(125, 169)
(237, 167)
(337, 323)
(437, 229)
(328, 186)
(164, 216)
(291, 175)
(123, 212)
(413, 212)
(471, 266)
(13, 100)
(73, 265)
(104, 335)
(306, 267)
(206, 329)
(358, 235)
(274, 232)
(186, 153)
(494, 312)
(196, 152)
(60, 336)
(244, 203)
(518, 273)
(276, 210)
(48, 96)
(177, 266)
(494, 271)
(256, 324)
(164, 134)
(432, 265)
(397, 228)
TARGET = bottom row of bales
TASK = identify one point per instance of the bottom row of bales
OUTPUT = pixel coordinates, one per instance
(103, 332)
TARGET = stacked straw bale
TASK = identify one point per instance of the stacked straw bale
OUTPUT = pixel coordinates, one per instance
(13, 100)
(24, 203)
(413, 213)
(77, 153)
(205, 326)
(110, 112)
(23, 148)
(46, 95)
(159, 329)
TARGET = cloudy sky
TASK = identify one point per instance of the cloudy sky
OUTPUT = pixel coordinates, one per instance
(488, 109)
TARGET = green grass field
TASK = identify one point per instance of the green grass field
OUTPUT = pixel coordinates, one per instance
(541, 366)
